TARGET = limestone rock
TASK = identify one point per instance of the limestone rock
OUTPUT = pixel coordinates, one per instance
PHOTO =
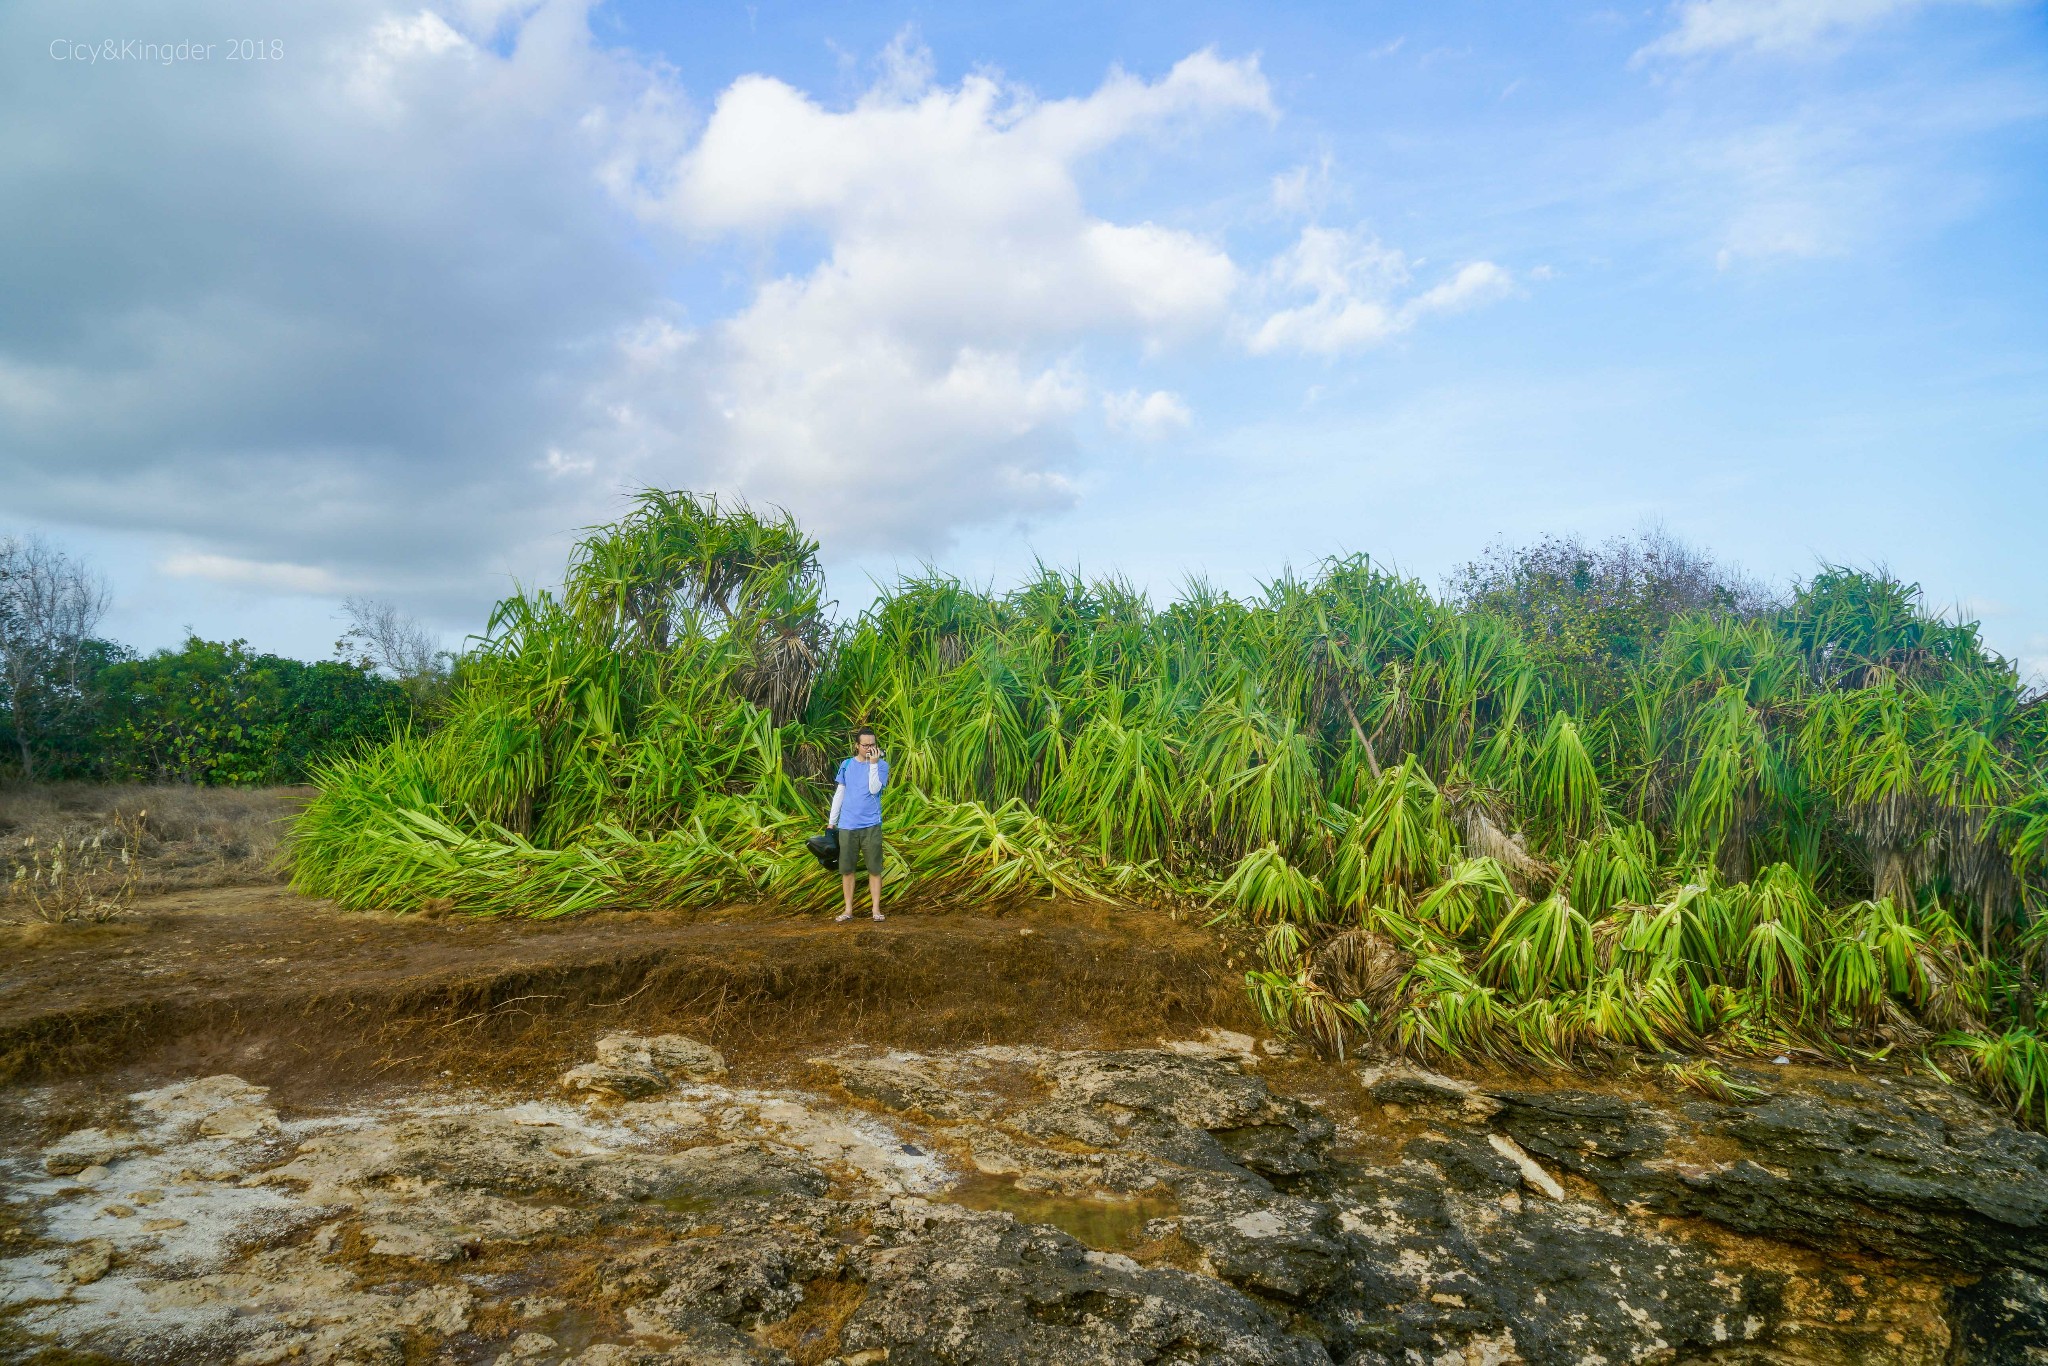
(747, 1275)
(1428, 1093)
(1443, 1271)
(200, 1097)
(630, 1066)
(1195, 1111)
(1198, 1092)
(1221, 1045)
(89, 1262)
(1899, 1170)
(683, 1057)
(240, 1121)
(1155, 1205)
(613, 1354)
(2002, 1320)
(1528, 1167)
(673, 1055)
(627, 1083)
(961, 1286)
(83, 1149)
(906, 1082)
(1283, 1246)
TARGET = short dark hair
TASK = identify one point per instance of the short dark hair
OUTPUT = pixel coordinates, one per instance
(865, 730)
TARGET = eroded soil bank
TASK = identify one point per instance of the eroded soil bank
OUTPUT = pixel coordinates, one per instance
(939, 1140)
(290, 993)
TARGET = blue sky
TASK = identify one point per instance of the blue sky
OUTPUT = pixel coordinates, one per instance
(1153, 289)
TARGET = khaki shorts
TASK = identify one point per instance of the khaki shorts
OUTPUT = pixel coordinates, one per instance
(866, 842)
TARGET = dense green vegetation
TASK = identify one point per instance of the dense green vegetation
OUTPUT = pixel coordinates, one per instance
(210, 712)
(1599, 803)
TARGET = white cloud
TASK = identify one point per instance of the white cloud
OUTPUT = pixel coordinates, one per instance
(394, 44)
(1303, 189)
(378, 287)
(269, 576)
(1796, 190)
(563, 464)
(918, 376)
(1148, 417)
(1357, 293)
(976, 153)
(409, 312)
(1781, 27)
(1480, 282)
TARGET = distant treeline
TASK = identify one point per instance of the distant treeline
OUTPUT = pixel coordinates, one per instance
(209, 712)
(76, 706)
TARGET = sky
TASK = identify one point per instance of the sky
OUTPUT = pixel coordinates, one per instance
(349, 297)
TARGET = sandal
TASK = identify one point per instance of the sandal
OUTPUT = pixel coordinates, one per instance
(842, 919)
(880, 916)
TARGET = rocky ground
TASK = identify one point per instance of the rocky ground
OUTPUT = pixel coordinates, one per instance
(1212, 1201)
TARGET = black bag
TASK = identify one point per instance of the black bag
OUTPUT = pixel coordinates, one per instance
(825, 849)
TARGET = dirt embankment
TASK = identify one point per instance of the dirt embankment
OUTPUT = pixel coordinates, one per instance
(297, 995)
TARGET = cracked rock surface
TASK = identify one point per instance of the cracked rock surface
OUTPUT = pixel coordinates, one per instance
(1200, 1202)
(1896, 1168)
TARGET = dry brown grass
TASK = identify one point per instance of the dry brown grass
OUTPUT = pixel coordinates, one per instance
(89, 877)
(811, 1334)
(181, 838)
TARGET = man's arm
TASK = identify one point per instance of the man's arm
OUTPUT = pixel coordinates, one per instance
(838, 796)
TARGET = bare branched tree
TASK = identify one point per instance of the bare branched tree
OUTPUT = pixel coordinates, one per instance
(381, 637)
(50, 604)
(385, 638)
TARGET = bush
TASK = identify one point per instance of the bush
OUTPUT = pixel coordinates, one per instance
(1597, 610)
(213, 713)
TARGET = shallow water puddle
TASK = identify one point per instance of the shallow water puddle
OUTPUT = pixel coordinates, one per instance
(1104, 1223)
(686, 1204)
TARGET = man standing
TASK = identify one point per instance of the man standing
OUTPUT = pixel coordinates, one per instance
(857, 815)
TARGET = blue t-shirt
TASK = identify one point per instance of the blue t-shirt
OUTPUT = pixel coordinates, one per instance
(860, 808)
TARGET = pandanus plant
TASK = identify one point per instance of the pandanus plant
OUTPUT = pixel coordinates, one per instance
(1744, 831)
